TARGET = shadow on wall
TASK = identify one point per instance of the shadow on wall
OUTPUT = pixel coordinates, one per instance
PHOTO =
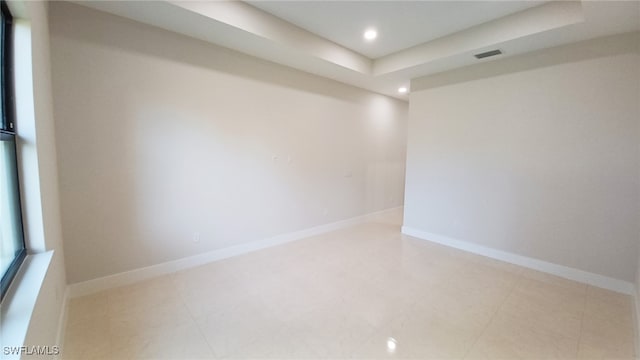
(539, 163)
(583, 50)
(156, 42)
(171, 147)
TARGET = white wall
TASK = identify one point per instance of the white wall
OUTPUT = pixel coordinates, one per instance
(162, 136)
(535, 155)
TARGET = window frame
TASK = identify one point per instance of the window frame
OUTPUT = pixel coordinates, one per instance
(8, 132)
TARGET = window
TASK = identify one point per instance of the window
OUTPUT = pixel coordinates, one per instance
(12, 249)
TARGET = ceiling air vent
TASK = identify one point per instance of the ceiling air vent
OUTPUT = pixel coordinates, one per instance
(488, 54)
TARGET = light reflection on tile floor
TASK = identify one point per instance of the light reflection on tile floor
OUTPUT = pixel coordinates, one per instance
(363, 292)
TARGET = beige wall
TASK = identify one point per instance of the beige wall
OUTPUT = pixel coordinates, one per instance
(536, 155)
(162, 136)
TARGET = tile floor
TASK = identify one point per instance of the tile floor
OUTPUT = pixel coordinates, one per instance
(363, 292)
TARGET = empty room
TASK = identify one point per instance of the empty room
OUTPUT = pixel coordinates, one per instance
(320, 179)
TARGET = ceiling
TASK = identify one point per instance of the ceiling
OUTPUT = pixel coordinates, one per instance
(401, 24)
(416, 38)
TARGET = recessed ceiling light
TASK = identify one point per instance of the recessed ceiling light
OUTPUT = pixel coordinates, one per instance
(403, 90)
(370, 34)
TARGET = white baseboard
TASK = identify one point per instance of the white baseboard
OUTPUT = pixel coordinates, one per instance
(132, 276)
(597, 280)
(62, 322)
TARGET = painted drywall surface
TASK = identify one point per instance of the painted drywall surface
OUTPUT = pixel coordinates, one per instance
(541, 163)
(169, 147)
(42, 225)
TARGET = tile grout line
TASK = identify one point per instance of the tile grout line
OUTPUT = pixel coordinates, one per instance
(192, 317)
(584, 309)
(111, 342)
(495, 313)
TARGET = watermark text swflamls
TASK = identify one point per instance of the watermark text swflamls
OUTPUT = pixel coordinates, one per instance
(31, 350)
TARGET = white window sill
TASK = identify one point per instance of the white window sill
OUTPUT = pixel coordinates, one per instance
(20, 301)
